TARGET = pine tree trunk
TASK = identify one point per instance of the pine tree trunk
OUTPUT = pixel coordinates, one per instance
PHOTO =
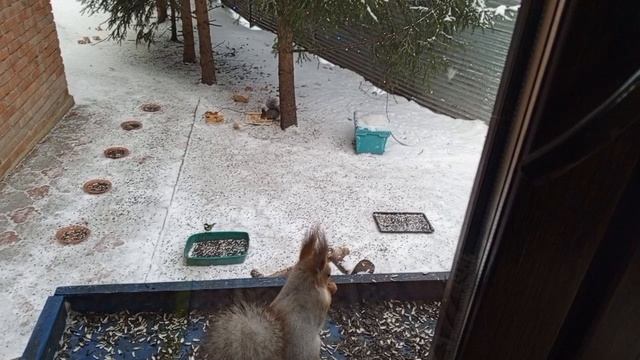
(174, 28)
(286, 82)
(189, 50)
(161, 6)
(204, 36)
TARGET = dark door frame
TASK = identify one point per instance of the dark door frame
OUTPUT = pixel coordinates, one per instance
(533, 276)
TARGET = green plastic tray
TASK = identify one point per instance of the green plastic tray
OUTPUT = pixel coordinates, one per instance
(215, 236)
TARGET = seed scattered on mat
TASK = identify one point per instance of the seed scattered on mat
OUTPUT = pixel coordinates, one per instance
(376, 330)
(382, 330)
(127, 335)
(219, 248)
(402, 222)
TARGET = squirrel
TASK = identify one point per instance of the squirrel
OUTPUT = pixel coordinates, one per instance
(272, 110)
(287, 329)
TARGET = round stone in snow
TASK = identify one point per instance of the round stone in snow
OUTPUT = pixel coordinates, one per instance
(151, 107)
(97, 186)
(131, 125)
(73, 234)
(116, 152)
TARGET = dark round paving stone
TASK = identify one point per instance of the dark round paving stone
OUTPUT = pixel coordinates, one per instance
(73, 234)
(97, 186)
(116, 152)
(131, 125)
(151, 107)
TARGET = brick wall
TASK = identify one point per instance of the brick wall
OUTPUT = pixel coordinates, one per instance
(33, 88)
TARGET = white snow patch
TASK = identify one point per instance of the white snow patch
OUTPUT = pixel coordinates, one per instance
(242, 21)
(506, 12)
(375, 18)
(373, 122)
(451, 73)
(324, 61)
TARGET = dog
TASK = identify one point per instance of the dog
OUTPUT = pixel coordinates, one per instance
(288, 328)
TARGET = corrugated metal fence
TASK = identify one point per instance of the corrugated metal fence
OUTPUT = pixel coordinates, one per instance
(467, 90)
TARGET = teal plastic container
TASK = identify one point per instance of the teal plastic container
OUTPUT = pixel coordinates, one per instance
(370, 138)
(215, 236)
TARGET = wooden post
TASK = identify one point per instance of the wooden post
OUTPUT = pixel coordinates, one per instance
(207, 64)
(161, 6)
(174, 27)
(286, 81)
(189, 50)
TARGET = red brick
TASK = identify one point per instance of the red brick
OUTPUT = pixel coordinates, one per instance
(14, 45)
(5, 164)
(13, 83)
(20, 65)
(33, 88)
(25, 100)
(4, 53)
(29, 34)
(5, 128)
(5, 76)
(16, 117)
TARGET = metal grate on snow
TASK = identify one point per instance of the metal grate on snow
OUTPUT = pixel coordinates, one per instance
(402, 222)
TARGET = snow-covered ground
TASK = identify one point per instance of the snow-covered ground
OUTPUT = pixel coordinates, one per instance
(182, 173)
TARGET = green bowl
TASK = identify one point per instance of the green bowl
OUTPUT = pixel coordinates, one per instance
(215, 236)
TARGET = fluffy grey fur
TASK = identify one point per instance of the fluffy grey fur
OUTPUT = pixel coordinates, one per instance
(287, 329)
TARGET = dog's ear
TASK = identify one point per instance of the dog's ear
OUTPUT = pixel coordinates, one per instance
(315, 250)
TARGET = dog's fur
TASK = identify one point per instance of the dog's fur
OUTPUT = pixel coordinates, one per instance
(287, 329)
